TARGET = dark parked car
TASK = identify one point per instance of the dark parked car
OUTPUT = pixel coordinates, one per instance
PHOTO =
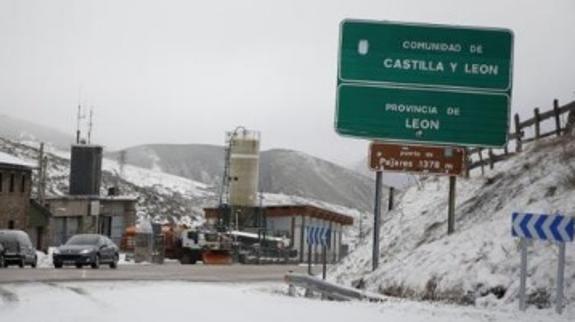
(18, 249)
(86, 249)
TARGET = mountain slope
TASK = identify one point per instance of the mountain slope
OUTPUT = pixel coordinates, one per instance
(20, 130)
(281, 171)
(200, 162)
(296, 173)
(479, 263)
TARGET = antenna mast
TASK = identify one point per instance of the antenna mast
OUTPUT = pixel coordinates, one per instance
(90, 125)
(78, 117)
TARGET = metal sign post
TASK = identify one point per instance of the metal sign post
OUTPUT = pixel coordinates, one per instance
(560, 278)
(451, 206)
(309, 259)
(558, 228)
(324, 261)
(523, 277)
(318, 236)
(376, 220)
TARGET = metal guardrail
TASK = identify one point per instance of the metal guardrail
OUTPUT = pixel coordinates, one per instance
(327, 289)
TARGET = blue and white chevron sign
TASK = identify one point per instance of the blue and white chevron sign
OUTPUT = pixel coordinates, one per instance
(318, 235)
(546, 227)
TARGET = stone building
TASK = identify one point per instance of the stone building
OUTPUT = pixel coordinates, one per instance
(15, 191)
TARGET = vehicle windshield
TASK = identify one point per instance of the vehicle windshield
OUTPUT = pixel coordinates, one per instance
(83, 240)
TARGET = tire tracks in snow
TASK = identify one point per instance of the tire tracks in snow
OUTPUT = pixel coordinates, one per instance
(7, 296)
(78, 291)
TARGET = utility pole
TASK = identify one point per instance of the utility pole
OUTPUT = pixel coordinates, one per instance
(41, 174)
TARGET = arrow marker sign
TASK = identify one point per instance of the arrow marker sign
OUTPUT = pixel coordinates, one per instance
(318, 235)
(545, 227)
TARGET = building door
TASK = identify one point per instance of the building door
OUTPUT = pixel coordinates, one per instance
(39, 237)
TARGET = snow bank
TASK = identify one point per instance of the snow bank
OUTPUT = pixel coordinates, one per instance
(479, 263)
(179, 301)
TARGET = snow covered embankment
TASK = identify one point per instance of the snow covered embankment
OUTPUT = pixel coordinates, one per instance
(479, 263)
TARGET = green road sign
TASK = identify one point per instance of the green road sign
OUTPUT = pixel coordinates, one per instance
(425, 55)
(422, 115)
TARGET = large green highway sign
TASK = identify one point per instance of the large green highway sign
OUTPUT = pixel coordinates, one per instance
(424, 83)
(423, 115)
(426, 55)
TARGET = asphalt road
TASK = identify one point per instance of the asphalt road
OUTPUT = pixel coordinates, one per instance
(171, 271)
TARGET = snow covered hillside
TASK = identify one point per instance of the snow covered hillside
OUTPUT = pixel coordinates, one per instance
(479, 263)
(281, 171)
(162, 196)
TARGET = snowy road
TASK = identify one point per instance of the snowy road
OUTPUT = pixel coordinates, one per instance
(179, 301)
(171, 271)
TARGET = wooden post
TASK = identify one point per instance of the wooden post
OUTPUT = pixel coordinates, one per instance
(557, 119)
(537, 123)
(481, 161)
(518, 134)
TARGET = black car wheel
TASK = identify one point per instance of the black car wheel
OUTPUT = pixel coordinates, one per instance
(96, 263)
(34, 263)
(2, 261)
(79, 265)
(114, 263)
(21, 263)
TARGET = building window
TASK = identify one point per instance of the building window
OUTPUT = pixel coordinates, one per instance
(11, 224)
(23, 183)
(12, 182)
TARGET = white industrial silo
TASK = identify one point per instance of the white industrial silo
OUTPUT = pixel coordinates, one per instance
(244, 151)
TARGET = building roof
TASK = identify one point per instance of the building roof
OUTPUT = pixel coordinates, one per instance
(93, 197)
(8, 160)
(295, 210)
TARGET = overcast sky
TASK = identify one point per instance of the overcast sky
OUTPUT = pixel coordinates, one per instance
(187, 71)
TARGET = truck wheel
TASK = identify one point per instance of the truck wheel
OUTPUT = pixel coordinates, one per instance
(57, 265)
(186, 259)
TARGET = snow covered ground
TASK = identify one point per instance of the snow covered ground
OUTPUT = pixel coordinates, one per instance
(183, 301)
(479, 263)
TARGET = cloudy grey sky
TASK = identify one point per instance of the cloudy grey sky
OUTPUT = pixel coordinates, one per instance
(186, 71)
